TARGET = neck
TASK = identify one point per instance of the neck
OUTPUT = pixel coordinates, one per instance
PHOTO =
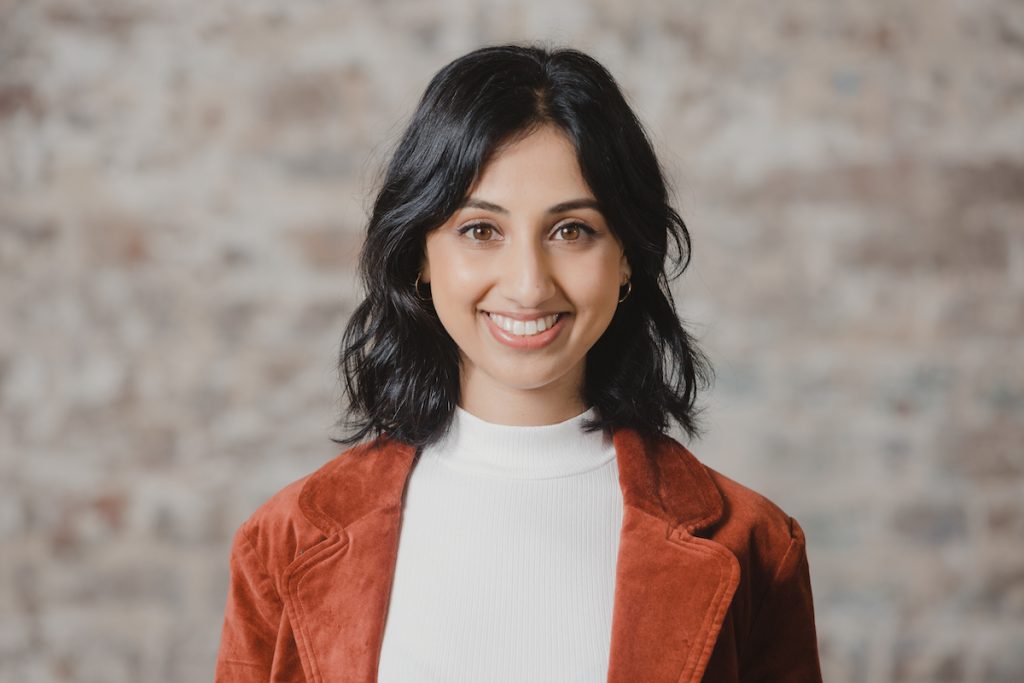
(501, 404)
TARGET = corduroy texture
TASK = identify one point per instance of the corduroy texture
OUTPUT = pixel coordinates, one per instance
(712, 580)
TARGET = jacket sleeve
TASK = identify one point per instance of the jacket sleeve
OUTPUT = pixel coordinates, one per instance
(252, 616)
(783, 643)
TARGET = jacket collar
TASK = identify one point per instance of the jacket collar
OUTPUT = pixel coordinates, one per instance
(672, 588)
(662, 478)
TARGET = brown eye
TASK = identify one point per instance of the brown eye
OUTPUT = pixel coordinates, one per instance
(479, 230)
(573, 234)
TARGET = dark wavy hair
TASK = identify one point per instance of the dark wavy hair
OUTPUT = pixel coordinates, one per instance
(401, 369)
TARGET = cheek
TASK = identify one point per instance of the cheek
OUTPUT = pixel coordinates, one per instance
(596, 282)
(465, 272)
(452, 274)
(459, 288)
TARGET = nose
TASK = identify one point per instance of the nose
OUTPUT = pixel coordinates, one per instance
(526, 274)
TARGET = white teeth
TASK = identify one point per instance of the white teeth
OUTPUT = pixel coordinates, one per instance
(522, 328)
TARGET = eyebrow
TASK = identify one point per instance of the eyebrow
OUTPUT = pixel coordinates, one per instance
(475, 203)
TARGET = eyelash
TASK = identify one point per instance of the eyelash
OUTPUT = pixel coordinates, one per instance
(586, 229)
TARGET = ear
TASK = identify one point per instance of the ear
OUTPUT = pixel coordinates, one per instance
(624, 269)
(425, 270)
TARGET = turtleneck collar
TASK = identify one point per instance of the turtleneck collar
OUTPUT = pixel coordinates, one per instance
(522, 452)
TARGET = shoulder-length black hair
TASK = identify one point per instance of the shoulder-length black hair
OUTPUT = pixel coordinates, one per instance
(400, 367)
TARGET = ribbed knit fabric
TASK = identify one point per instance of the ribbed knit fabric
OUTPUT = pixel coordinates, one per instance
(506, 557)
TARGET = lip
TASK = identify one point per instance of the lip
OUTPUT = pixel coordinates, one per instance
(535, 341)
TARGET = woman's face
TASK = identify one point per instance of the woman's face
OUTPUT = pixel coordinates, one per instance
(528, 242)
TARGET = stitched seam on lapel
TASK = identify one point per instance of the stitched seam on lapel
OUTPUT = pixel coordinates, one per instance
(293, 573)
(719, 603)
(312, 553)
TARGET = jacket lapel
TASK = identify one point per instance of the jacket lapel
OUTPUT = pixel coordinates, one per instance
(336, 592)
(672, 588)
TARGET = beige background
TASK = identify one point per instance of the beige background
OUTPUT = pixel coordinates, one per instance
(183, 188)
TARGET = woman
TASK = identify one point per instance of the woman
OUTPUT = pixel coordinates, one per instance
(520, 513)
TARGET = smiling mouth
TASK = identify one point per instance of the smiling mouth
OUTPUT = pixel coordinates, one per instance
(525, 328)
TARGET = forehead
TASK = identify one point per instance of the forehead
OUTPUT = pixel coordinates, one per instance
(541, 166)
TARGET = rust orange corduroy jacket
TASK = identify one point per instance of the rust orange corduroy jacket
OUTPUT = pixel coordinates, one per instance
(712, 581)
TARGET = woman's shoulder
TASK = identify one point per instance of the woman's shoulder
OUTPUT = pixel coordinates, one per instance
(732, 512)
(309, 509)
(764, 537)
(277, 530)
(749, 509)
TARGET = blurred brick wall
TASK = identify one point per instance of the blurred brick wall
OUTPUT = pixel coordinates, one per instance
(183, 188)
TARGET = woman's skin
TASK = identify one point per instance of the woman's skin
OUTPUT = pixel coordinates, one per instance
(525, 260)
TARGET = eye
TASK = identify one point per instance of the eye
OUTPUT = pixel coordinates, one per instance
(577, 226)
(478, 229)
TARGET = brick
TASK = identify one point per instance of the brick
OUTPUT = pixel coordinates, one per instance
(930, 522)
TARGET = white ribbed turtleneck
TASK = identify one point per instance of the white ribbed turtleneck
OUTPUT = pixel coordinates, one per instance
(506, 556)
(535, 452)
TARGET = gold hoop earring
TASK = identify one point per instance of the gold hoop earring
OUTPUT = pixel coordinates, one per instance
(629, 288)
(416, 286)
